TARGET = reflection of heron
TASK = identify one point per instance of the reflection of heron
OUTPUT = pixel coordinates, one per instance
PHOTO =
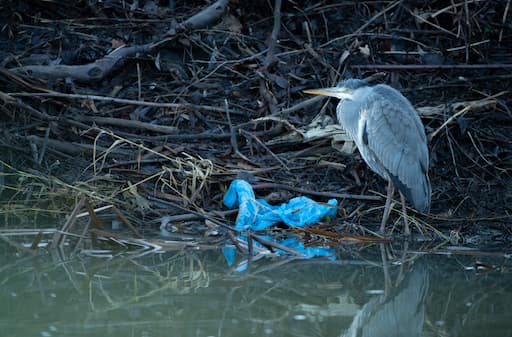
(400, 313)
(390, 137)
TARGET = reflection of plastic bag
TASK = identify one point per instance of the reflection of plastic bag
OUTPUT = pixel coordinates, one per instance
(258, 214)
(291, 242)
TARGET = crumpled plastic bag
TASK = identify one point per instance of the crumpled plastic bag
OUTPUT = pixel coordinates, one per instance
(257, 214)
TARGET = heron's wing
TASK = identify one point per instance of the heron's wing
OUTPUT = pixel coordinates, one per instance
(396, 98)
(393, 134)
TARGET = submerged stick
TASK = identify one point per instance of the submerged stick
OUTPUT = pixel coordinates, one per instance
(58, 237)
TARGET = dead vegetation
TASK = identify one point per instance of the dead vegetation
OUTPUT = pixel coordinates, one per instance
(151, 109)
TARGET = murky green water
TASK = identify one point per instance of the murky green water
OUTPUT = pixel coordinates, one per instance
(197, 294)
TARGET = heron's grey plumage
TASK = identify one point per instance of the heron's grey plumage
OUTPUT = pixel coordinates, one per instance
(390, 137)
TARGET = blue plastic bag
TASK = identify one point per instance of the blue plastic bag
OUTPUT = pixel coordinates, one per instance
(257, 214)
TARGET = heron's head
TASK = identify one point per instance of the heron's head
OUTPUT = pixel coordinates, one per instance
(344, 90)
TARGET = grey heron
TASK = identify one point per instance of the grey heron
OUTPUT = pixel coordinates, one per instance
(390, 137)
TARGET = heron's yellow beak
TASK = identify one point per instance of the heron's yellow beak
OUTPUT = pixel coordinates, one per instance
(338, 92)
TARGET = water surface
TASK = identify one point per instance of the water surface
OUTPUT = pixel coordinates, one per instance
(195, 293)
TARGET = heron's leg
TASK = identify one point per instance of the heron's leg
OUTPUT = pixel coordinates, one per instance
(387, 208)
(407, 230)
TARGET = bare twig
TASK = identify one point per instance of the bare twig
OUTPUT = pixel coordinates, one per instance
(273, 244)
(275, 33)
(255, 138)
(124, 220)
(269, 59)
(58, 236)
(87, 72)
(126, 123)
(322, 194)
(72, 148)
(431, 66)
(92, 214)
(204, 18)
(489, 101)
(117, 100)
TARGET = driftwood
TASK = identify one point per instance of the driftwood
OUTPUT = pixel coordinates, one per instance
(88, 72)
(202, 19)
(101, 68)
